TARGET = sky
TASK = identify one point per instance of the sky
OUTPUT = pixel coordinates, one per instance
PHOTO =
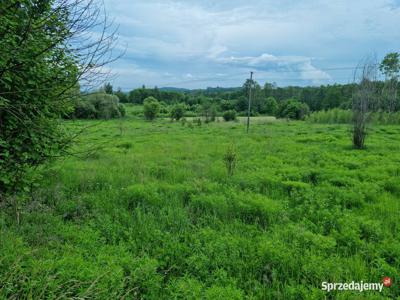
(204, 43)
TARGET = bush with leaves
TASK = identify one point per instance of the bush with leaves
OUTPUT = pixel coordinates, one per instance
(177, 111)
(107, 106)
(98, 106)
(47, 48)
(270, 106)
(151, 108)
(122, 110)
(229, 115)
(293, 109)
(35, 79)
(209, 111)
(84, 110)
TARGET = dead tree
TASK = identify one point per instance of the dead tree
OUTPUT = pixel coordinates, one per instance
(364, 100)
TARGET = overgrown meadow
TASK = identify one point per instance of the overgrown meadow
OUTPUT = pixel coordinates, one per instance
(148, 210)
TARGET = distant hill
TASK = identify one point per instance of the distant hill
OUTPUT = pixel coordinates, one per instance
(174, 89)
(207, 90)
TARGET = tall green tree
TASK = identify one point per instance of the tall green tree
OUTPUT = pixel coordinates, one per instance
(43, 55)
(390, 67)
(151, 108)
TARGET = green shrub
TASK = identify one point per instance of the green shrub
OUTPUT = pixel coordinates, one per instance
(229, 115)
(122, 110)
(209, 111)
(270, 106)
(97, 106)
(151, 108)
(293, 109)
(107, 106)
(85, 110)
(177, 111)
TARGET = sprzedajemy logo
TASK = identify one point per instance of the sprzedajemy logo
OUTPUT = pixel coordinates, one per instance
(356, 286)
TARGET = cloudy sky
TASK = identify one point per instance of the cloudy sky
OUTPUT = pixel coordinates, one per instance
(196, 44)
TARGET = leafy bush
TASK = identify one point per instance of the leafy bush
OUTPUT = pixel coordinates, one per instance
(38, 74)
(229, 115)
(270, 106)
(209, 111)
(98, 106)
(122, 110)
(293, 109)
(151, 108)
(177, 111)
(85, 110)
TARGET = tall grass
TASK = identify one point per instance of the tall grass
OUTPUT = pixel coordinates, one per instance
(340, 116)
(155, 215)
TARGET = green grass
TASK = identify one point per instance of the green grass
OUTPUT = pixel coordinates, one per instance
(152, 214)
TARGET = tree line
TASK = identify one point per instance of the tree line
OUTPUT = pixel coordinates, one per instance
(287, 102)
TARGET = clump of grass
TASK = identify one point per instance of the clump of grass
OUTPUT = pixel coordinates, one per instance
(125, 146)
(230, 159)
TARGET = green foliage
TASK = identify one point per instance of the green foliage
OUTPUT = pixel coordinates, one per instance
(177, 111)
(122, 110)
(340, 116)
(230, 158)
(390, 65)
(97, 106)
(84, 110)
(293, 109)
(209, 111)
(138, 96)
(107, 106)
(270, 106)
(123, 97)
(38, 75)
(151, 108)
(332, 116)
(229, 115)
(266, 100)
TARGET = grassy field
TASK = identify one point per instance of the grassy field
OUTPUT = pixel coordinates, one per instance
(153, 214)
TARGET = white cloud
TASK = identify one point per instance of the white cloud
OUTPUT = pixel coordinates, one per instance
(207, 37)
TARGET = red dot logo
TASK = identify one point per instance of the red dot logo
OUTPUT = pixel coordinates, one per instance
(387, 281)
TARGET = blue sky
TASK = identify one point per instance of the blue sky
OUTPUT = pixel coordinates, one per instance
(196, 44)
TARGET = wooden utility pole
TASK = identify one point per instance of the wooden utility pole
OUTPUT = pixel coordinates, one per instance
(249, 108)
